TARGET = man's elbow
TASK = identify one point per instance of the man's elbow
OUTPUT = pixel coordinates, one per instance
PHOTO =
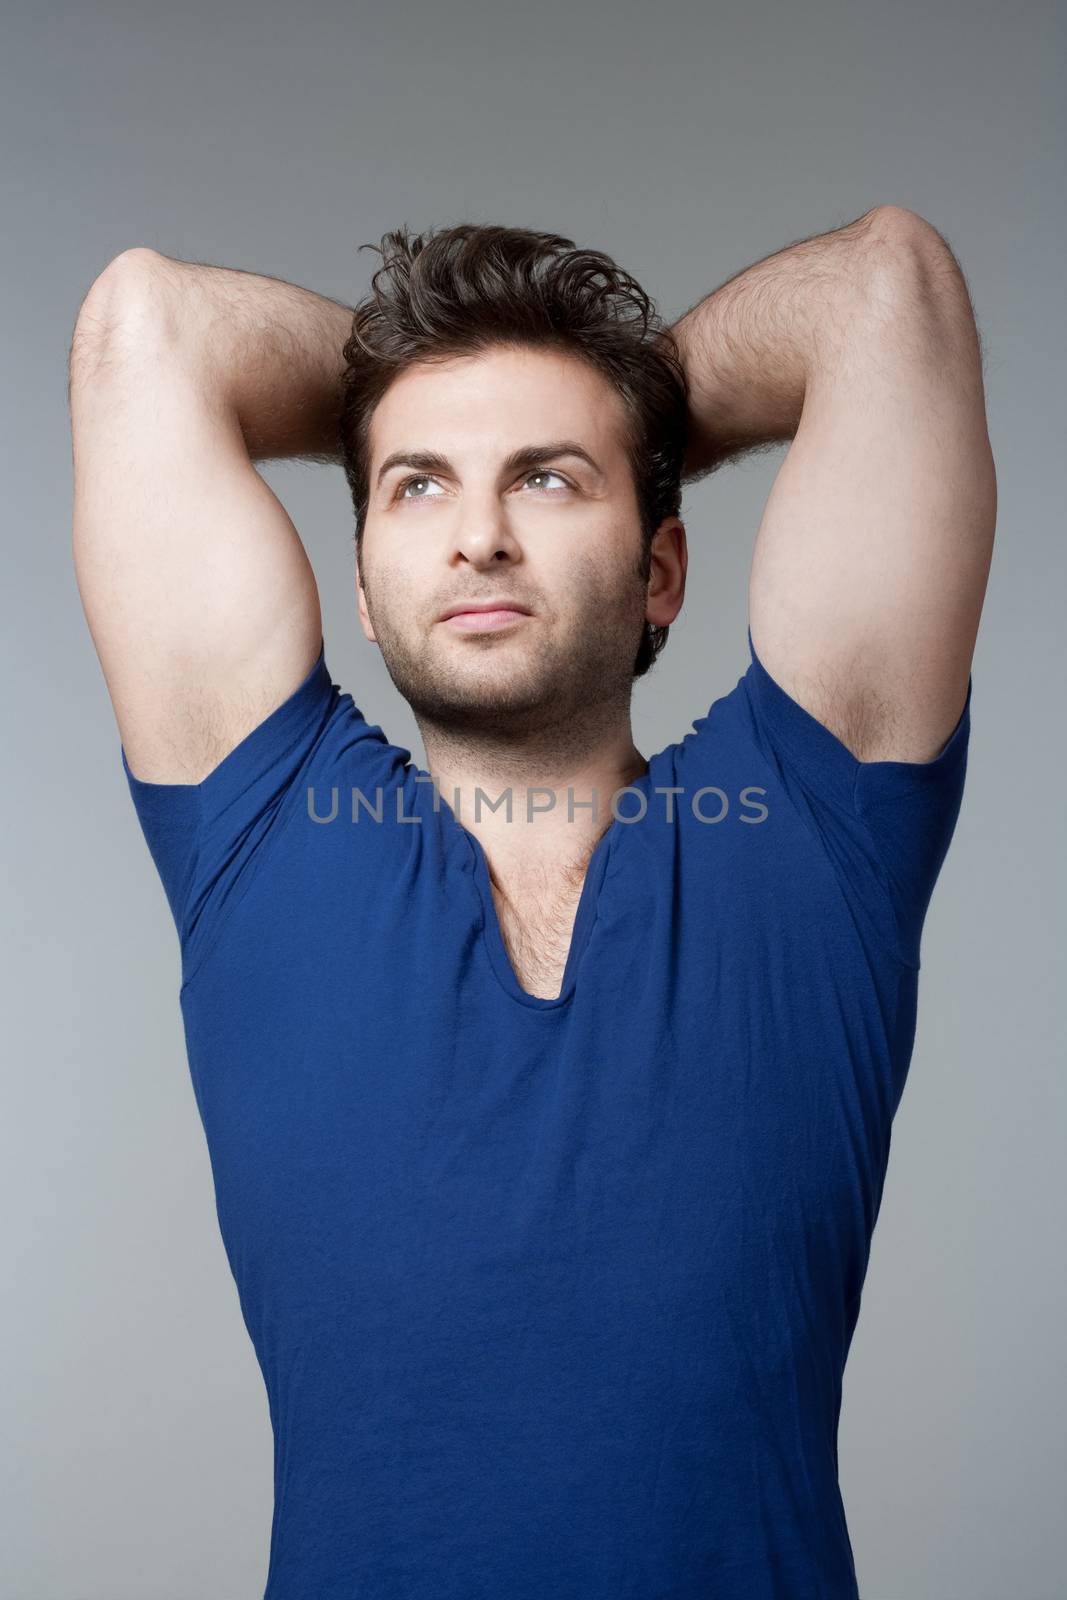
(912, 282)
(126, 304)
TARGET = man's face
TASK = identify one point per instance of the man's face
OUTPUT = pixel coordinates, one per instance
(559, 536)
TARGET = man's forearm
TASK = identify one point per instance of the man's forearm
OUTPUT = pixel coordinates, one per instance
(266, 348)
(751, 346)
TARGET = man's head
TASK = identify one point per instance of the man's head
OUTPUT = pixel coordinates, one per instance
(513, 426)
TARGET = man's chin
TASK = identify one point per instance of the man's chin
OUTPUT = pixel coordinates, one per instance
(485, 698)
(481, 706)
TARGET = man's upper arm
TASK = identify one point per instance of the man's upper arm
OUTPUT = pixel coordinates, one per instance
(872, 557)
(199, 596)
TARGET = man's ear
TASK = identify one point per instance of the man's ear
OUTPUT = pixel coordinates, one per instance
(668, 563)
(361, 607)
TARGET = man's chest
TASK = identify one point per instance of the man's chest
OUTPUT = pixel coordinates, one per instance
(536, 931)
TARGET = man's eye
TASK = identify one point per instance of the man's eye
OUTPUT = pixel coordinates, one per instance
(406, 483)
(549, 472)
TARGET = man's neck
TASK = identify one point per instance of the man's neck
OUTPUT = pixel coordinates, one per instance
(535, 812)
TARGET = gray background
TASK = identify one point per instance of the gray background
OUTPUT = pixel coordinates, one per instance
(686, 142)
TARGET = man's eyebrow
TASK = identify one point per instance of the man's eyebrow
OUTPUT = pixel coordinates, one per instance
(532, 456)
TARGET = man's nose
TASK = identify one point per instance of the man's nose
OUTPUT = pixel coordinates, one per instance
(482, 535)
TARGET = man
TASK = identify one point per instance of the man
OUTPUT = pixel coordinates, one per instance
(548, 1101)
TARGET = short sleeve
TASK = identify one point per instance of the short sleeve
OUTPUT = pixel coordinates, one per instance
(208, 838)
(886, 825)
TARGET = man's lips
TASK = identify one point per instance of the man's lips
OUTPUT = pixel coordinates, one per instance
(485, 620)
(499, 603)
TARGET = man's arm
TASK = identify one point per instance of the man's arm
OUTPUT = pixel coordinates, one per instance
(198, 593)
(872, 557)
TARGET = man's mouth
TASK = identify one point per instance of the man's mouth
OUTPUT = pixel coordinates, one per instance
(480, 616)
(485, 621)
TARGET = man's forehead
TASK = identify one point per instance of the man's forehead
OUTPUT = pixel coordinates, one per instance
(487, 408)
(501, 365)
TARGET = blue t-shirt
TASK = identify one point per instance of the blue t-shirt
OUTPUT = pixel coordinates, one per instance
(552, 1298)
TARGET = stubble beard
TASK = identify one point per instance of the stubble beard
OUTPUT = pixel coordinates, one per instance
(524, 683)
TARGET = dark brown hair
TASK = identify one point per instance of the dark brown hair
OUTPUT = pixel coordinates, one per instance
(461, 290)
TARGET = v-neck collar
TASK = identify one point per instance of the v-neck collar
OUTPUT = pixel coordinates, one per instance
(472, 851)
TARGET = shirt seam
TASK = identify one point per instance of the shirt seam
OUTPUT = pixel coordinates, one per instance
(274, 832)
(853, 810)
